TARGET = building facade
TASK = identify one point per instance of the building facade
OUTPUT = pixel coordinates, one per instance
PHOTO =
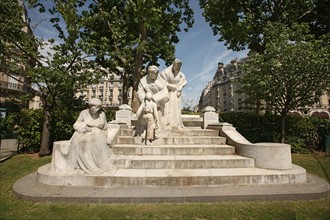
(13, 83)
(223, 94)
(109, 90)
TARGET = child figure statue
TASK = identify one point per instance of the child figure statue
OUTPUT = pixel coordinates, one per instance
(150, 115)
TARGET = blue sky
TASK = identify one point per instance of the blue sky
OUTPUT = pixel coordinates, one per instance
(200, 53)
(198, 50)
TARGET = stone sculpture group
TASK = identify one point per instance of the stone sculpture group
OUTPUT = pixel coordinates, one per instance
(166, 90)
(160, 109)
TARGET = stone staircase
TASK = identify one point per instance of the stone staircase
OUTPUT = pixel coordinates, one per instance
(192, 157)
(191, 150)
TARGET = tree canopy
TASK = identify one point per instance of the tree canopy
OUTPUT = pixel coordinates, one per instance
(241, 24)
(105, 33)
(287, 67)
(130, 34)
(289, 75)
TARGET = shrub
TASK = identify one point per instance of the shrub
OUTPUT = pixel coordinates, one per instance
(7, 125)
(302, 133)
(62, 126)
(254, 127)
(29, 132)
(297, 144)
(110, 114)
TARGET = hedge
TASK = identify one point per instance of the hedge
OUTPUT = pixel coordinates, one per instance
(304, 134)
(26, 126)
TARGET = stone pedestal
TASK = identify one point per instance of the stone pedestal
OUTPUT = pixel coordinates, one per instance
(124, 115)
(209, 116)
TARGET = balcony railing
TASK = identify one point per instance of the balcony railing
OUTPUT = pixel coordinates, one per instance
(13, 86)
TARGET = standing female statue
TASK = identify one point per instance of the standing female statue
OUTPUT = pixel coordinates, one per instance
(175, 81)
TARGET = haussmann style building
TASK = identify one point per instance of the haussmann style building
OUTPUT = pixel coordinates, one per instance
(223, 94)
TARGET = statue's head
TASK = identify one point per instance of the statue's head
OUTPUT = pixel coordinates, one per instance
(177, 65)
(153, 72)
(94, 105)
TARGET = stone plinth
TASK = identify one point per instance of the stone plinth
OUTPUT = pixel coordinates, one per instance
(209, 116)
(124, 115)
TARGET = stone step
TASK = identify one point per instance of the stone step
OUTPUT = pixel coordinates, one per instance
(179, 140)
(198, 149)
(194, 132)
(181, 161)
(126, 132)
(176, 177)
(184, 132)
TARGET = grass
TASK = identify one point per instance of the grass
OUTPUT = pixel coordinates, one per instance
(21, 165)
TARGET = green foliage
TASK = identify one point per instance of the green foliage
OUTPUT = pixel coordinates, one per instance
(62, 124)
(242, 24)
(7, 125)
(304, 130)
(288, 42)
(297, 144)
(16, 42)
(278, 76)
(29, 132)
(304, 134)
(60, 76)
(254, 127)
(64, 116)
(113, 33)
(110, 114)
(188, 111)
(129, 34)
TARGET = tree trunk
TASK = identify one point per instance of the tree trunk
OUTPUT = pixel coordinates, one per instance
(45, 136)
(138, 69)
(283, 117)
(136, 80)
(125, 90)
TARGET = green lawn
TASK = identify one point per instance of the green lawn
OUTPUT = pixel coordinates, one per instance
(21, 165)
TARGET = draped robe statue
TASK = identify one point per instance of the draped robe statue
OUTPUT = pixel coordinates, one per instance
(175, 81)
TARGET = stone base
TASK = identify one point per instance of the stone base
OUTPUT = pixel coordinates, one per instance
(176, 177)
(28, 188)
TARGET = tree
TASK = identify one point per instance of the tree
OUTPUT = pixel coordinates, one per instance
(115, 33)
(241, 24)
(288, 42)
(54, 78)
(130, 34)
(290, 74)
(59, 75)
(56, 82)
(17, 44)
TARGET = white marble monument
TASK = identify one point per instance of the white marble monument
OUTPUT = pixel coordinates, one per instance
(87, 150)
(175, 81)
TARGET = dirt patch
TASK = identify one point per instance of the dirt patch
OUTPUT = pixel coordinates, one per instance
(33, 156)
